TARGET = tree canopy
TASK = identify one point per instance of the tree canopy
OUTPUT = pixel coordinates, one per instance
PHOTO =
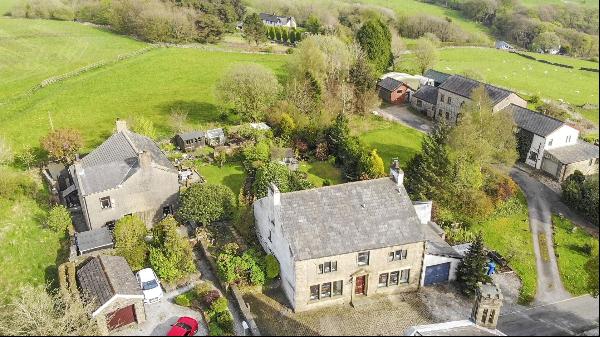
(130, 234)
(375, 39)
(207, 203)
(254, 29)
(63, 145)
(171, 255)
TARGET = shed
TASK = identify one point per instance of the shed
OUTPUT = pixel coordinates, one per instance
(392, 91)
(189, 141)
(109, 282)
(215, 137)
(94, 240)
(260, 126)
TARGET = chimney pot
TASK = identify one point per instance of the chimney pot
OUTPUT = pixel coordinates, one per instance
(396, 172)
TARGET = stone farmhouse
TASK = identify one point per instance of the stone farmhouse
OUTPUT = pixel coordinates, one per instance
(339, 244)
(551, 145)
(127, 174)
(109, 282)
(278, 21)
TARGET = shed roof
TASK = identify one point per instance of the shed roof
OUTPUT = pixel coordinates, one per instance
(100, 238)
(389, 84)
(581, 151)
(436, 76)
(115, 161)
(436, 245)
(463, 86)
(427, 93)
(191, 135)
(104, 277)
(348, 218)
(214, 133)
(533, 121)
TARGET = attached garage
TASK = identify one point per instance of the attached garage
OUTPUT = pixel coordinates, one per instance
(119, 299)
(439, 273)
(549, 166)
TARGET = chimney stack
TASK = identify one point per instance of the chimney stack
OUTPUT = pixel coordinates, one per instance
(396, 172)
(487, 305)
(121, 125)
(145, 159)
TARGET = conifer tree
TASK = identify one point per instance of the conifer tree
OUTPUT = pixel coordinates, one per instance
(471, 270)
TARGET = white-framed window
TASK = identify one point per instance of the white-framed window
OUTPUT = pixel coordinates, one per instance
(105, 203)
(327, 267)
(314, 292)
(397, 255)
(383, 280)
(326, 290)
(363, 259)
(338, 288)
(394, 278)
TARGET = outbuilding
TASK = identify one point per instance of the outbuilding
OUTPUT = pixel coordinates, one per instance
(109, 282)
(215, 137)
(561, 162)
(189, 141)
(424, 100)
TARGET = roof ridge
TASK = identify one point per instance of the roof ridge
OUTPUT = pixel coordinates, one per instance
(124, 132)
(106, 274)
(539, 113)
(335, 186)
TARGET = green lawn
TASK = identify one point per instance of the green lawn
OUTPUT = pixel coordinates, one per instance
(392, 140)
(508, 233)
(522, 75)
(7, 5)
(319, 171)
(33, 50)
(231, 175)
(571, 254)
(151, 85)
(28, 253)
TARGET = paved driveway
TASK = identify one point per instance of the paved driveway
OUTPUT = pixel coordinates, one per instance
(160, 316)
(401, 114)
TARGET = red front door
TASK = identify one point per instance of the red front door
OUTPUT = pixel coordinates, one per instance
(359, 289)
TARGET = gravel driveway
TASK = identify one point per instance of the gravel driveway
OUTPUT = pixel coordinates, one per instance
(401, 114)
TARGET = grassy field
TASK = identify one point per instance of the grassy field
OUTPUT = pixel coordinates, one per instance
(525, 76)
(231, 175)
(571, 253)
(391, 140)
(33, 50)
(508, 233)
(151, 85)
(6, 5)
(29, 253)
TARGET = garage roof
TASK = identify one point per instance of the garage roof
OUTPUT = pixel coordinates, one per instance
(93, 240)
(581, 151)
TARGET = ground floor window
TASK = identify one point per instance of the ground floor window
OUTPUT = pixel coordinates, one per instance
(383, 280)
(326, 290)
(394, 278)
(404, 275)
(338, 287)
(314, 293)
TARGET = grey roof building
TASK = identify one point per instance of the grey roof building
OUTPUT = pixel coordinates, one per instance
(189, 141)
(215, 137)
(534, 121)
(427, 93)
(438, 77)
(127, 174)
(109, 282)
(581, 151)
(94, 240)
(277, 20)
(389, 84)
(464, 87)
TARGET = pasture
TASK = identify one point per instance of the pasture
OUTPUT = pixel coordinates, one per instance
(33, 50)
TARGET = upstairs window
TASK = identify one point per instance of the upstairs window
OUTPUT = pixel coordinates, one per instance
(363, 259)
(442, 98)
(105, 203)
(397, 255)
(449, 100)
(327, 267)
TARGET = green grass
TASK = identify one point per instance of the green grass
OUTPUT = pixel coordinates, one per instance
(7, 5)
(508, 233)
(570, 254)
(526, 77)
(319, 171)
(29, 253)
(151, 85)
(392, 140)
(231, 175)
(33, 50)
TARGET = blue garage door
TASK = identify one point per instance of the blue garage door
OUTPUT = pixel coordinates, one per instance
(438, 273)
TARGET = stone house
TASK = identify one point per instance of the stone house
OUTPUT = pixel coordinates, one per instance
(550, 145)
(189, 141)
(127, 174)
(278, 21)
(425, 99)
(109, 282)
(338, 244)
(457, 90)
(503, 45)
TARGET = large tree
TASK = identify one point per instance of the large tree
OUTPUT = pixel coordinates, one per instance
(546, 41)
(362, 76)
(171, 255)
(426, 54)
(63, 145)
(207, 203)
(471, 269)
(250, 89)
(375, 39)
(130, 241)
(313, 24)
(254, 29)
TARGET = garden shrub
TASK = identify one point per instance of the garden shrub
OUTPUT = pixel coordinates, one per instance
(581, 193)
(271, 266)
(59, 219)
(219, 305)
(202, 289)
(171, 255)
(210, 297)
(499, 187)
(225, 321)
(183, 300)
(207, 203)
(215, 330)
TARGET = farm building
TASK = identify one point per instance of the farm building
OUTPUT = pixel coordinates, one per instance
(552, 146)
(109, 281)
(189, 141)
(425, 99)
(437, 77)
(215, 137)
(396, 88)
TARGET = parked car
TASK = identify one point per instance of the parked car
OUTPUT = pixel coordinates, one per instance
(150, 285)
(185, 326)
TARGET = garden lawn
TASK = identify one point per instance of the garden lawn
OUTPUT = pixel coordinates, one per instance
(571, 254)
(319, 171)
(231, 175)
(508, 233)
(152, 85)
(33, 50)
(6, 6)
(392, 140)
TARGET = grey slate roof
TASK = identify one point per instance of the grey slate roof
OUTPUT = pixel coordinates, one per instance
(436, 76)
(427, 93)
(503, 45)
(191, 135)
(348, 218)
(533, 121)
(389, 84)
(436, 245)
(575, 153)
(115, 160)
(95, 239)
(275, 18)
(463, 86)
(103, 277)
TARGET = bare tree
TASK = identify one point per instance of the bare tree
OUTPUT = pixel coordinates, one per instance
(178, 120)
(426, 54)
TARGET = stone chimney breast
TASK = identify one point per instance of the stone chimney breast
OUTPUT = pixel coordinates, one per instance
(121, 125)
(145, 159)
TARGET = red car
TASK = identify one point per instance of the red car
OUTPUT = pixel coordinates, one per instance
(185, 326)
